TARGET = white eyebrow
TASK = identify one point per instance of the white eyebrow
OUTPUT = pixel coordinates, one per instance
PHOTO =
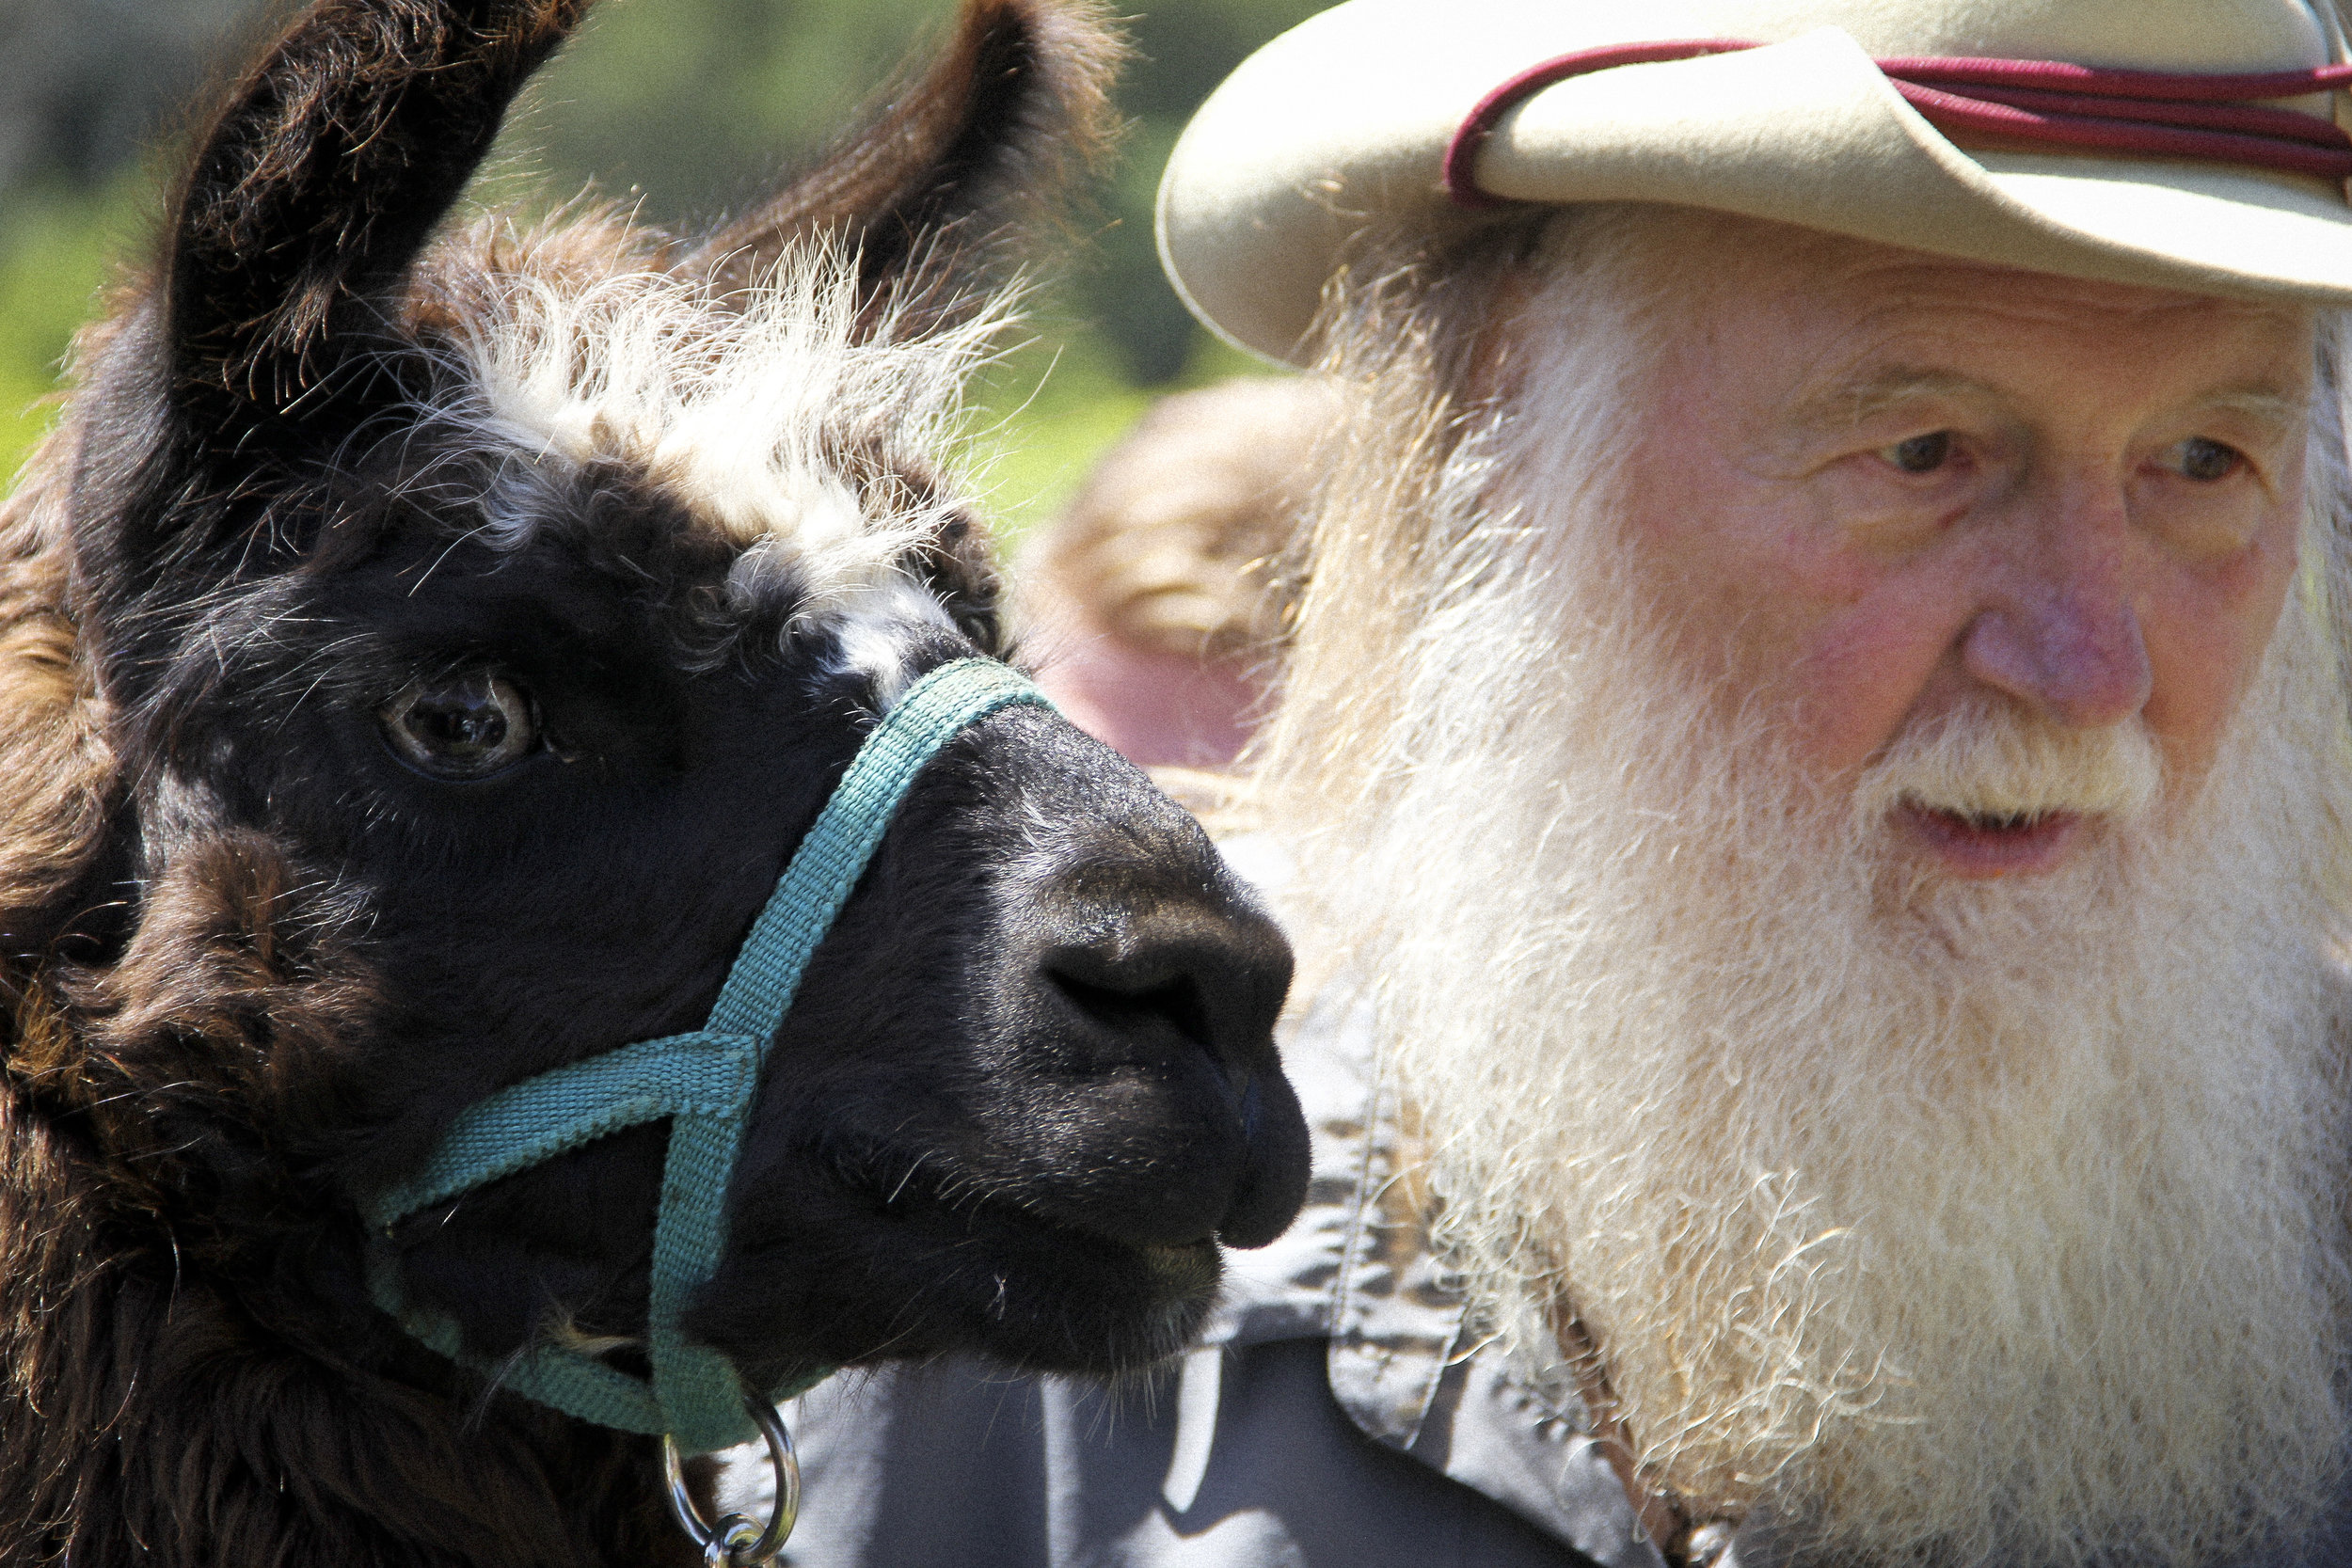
(2259, 404)
(1848, 404)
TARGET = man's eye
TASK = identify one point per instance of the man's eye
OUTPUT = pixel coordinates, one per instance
(1921, 454)
(2206, 461)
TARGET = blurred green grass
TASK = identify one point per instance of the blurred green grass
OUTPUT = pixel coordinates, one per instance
(58, 247)
(687, 108)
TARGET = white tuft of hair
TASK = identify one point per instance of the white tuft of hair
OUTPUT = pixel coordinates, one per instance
(767, 413)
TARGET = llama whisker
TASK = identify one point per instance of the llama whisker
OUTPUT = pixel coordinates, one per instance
(469, 534)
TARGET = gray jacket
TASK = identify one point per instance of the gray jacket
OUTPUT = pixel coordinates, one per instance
(1332, 1416)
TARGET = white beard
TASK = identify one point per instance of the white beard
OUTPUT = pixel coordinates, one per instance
(1958, 1222)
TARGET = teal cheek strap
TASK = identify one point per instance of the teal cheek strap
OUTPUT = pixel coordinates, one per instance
(704, 1083)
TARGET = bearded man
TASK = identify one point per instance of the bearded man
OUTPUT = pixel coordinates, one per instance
(1815, 747)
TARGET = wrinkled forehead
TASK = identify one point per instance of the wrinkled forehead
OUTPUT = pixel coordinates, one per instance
(1795, 313)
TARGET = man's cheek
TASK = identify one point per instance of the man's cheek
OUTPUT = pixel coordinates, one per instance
(2208, 634)
(1845, 678)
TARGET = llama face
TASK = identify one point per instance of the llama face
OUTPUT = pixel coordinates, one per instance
(483, 620)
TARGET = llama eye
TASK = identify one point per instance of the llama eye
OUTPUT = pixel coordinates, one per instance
(466, 727)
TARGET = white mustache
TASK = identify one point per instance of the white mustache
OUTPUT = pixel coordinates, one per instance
(1996, 762)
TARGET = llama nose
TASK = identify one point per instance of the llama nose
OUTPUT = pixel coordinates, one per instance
(1163, 985)
(1211, 977)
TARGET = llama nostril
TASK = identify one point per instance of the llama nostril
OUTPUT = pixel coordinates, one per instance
(1191, 997)
(1136, 1009)
(1186, 983)
(1156, 996)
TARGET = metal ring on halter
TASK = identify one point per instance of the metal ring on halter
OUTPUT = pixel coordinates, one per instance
(737, 1541)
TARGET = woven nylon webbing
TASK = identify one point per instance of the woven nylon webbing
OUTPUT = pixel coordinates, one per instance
(704, 1083)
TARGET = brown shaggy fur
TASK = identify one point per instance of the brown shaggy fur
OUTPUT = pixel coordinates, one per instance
(167, 1403)
(57, 767)
(152, 1416)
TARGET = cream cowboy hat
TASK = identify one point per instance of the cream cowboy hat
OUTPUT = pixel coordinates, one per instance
(2181, 178)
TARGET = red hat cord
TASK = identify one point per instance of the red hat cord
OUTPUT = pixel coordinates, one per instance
(2208, 119)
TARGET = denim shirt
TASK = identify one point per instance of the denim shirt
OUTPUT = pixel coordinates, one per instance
(1332, 1413)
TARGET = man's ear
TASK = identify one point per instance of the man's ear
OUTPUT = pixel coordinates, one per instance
(323, 176)
(979, 151)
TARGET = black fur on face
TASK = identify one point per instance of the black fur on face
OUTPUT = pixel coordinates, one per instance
(1029, 1078)
(400, 729)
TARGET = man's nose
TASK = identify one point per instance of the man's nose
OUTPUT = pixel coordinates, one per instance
(2058, 630)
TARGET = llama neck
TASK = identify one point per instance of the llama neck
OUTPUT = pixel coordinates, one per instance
(166, 1404)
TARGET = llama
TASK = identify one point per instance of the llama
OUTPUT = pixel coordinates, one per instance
(420, 650)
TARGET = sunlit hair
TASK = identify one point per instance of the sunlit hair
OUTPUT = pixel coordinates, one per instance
(1962, 1223)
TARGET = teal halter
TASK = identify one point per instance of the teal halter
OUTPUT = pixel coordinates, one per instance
(704, 1083)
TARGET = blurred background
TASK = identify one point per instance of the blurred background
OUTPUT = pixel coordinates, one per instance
(689, 108)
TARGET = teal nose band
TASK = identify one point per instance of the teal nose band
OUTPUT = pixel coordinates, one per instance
(704, 1083)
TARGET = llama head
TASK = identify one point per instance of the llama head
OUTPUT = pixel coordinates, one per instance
(470, 623)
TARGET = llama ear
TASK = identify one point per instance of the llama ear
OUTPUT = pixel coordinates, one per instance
(985, 146)
(325, 172)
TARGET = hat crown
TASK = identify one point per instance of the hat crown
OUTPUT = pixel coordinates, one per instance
(1350, 126)
(2217, 36)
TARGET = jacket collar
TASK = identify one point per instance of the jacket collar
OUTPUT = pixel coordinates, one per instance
(1357, 1270)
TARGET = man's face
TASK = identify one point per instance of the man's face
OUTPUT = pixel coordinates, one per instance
(1881, 488)
(1948, 1216)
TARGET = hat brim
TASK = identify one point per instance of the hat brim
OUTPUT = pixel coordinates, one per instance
(1808, 131)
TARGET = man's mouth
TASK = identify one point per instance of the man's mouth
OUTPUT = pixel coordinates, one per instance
(1993, 844)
